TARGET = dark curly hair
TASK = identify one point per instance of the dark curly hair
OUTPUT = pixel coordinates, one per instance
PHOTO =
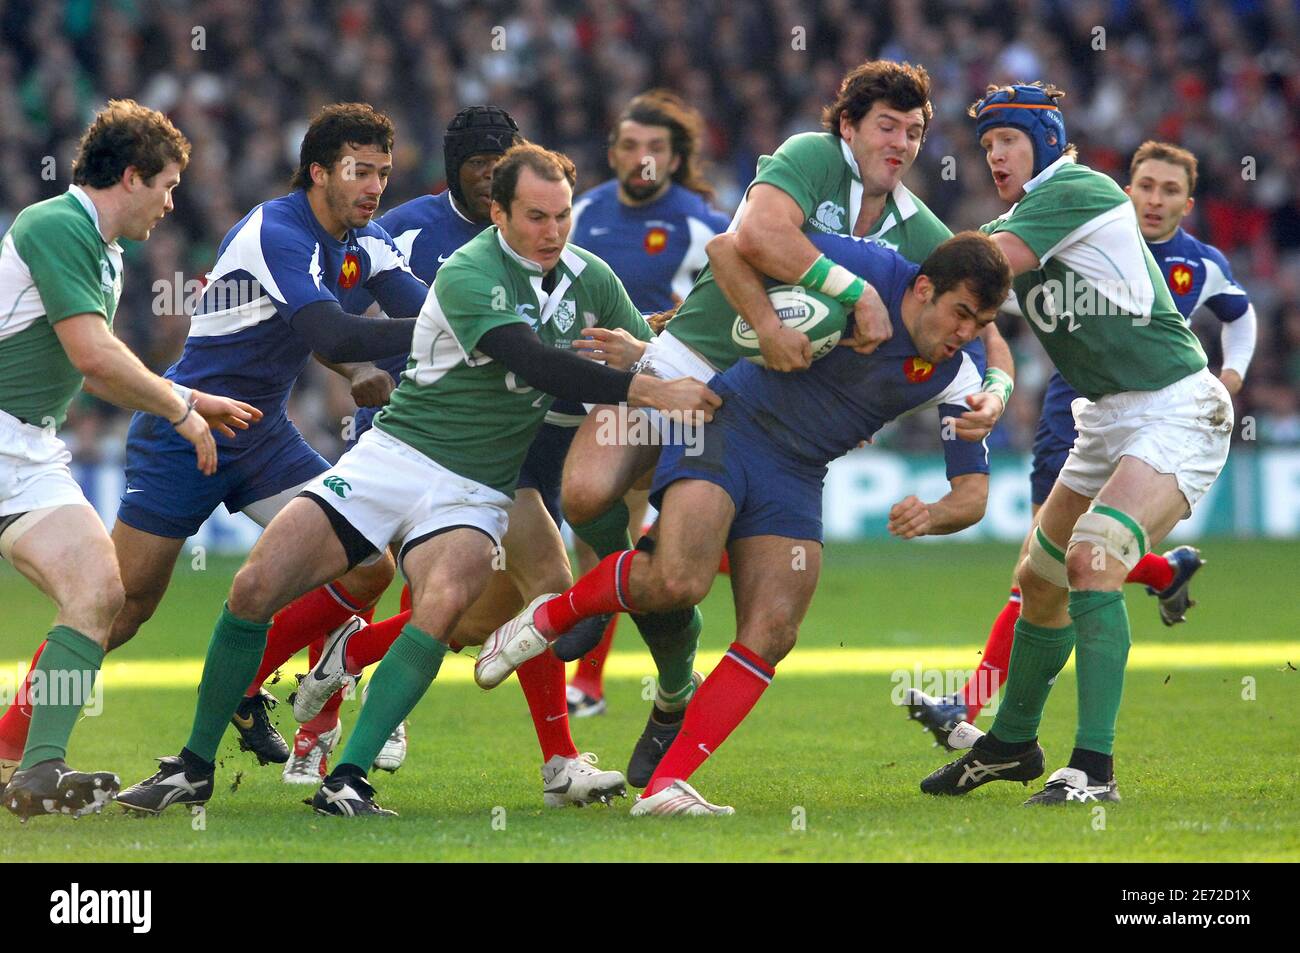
(125, 135)
(659, 107)
(900, 86)
(335, 128)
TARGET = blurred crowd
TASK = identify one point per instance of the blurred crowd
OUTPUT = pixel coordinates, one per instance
(240, 79)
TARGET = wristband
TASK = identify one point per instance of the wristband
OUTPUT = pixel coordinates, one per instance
(187, 395)
(998, 381)
(833, 280)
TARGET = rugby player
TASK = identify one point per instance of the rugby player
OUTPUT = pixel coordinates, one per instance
(650, 223)
(60, 283)
(436, 470)
(844, 181)
(756, 487)
(1162, 180)
(1153, 426)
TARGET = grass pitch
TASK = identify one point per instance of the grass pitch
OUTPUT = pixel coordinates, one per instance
(824, 769)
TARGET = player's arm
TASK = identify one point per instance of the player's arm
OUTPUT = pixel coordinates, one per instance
(343, 338)
(783, 348)
(116, 375)
(1020, 255)
(770, 238)
(371, 386)
(1238, 341)
(567, 376)
(962, 506)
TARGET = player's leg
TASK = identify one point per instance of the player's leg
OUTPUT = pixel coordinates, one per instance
(586, 695)
(147, 561)
(66, 552)
(448, 571)
(1044, 639)
(300, 550)
(599, 471)
(773, 579)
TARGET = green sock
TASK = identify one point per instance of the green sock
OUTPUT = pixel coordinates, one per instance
(607, 533)
(672, 638)
(1102, 621)
(234, 656)
(397, 686)
(1037, 656)
(67, 669)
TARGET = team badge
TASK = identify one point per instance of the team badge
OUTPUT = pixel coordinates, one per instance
(1180, 279)
(656, 240)
(917, 370)
(566, 312)
(350, 271)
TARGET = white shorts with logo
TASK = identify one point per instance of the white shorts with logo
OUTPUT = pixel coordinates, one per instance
(390, 492)
(34, 470)
(1183, 429)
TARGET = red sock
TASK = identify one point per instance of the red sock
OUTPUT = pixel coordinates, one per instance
(299, 623)
(987, 679)
(369, 645)
(1153, 570)
(719, 705)
(589, 676)
(406, 599)
(724, 567)
(18, 718)
(604, 589)
(542, 679)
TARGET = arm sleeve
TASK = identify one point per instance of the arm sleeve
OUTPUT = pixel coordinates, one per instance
(1238, 340)
(343, 338)
(1226, 299)
(881, 267)
(557, 372)
(290, 268)
(65, 269)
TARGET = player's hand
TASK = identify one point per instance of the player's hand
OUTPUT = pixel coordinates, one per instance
(871, 325)
(1232, 381)
(614, 346)
(977, 423)
(194, 428)
(657, 321)
(785, 349)
(224, 414)
(682, 396)
(371, 386)
(909, 518)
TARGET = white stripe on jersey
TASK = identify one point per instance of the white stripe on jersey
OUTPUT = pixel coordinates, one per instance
(694, 260)
(1216, 283)
(381, 254)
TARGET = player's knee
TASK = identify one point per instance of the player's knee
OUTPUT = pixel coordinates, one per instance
(1105, 545)
(772, 639)
(1089, 566)
(136, 611)
(679, 588)
(585, 497)
(251, 594)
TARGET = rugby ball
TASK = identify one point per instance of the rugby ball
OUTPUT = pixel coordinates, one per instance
(820, 317)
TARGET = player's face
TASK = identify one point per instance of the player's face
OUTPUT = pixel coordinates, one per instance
(642, 159)
(1010, 155)
(537, 225)
(948, 322)
(151, 199)
(476, 184)
(1159, 194)
(355, 183)
(884, 142)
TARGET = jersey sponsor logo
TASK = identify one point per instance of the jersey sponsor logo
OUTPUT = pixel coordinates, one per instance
(656, 240)
(917, 370)
(1180, 279)
(829, 217)
(566, 312)
(350, 271)
(338, 485)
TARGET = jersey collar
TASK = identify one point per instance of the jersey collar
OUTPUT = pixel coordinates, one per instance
(456, 208)
(1047, 173)
(527, 264)
(1177, 234)
(78, 193)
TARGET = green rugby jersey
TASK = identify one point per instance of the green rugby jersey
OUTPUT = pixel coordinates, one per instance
(818, 171)
(459, 407)
(54, 264)
(1097, 300)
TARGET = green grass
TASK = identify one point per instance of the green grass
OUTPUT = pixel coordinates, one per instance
(1205, 774)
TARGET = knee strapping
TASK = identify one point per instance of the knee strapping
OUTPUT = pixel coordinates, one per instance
(1047, 560)
(1118, 534)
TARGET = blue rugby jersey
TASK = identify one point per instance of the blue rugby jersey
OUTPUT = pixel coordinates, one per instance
(844, 398)
(276, 260)
(657, 249)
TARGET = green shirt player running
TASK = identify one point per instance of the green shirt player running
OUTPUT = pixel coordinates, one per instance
(491, 349)
(60, 281)
(1153, 431)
